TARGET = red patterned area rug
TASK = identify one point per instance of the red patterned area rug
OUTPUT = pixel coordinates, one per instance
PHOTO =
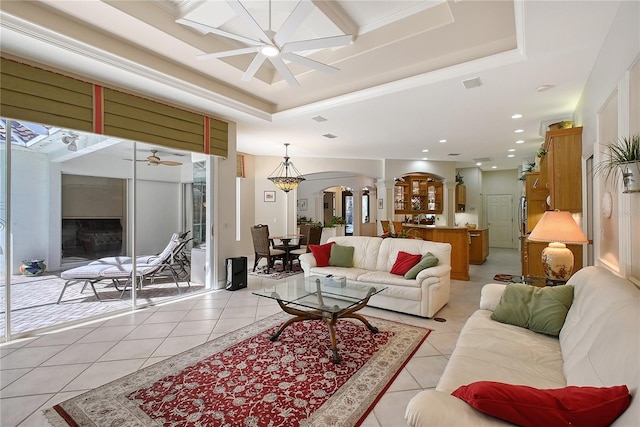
(244, 379)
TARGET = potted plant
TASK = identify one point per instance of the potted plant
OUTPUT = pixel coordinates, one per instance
(622, 158)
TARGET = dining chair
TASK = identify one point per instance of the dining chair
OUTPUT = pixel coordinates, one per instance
(313, 237)
(262, 247)
(397, 227)
(386, 228)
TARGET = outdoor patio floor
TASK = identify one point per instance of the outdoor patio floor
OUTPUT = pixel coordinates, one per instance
(33, 300)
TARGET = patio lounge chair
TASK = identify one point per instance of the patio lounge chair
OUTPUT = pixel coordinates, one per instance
(118, 269)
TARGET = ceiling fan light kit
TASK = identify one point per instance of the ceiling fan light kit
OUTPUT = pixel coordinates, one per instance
(273, 46)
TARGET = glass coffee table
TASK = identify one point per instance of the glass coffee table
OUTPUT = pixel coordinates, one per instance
(309, 298)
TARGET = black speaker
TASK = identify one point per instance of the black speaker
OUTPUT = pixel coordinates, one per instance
(236, 273)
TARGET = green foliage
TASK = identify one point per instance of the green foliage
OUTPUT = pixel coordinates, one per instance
(625, 149)
(335, 220)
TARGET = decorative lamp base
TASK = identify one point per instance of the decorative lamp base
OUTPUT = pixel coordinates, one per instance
(557, 261)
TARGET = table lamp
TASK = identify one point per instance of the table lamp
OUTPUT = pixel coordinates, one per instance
(558, 228)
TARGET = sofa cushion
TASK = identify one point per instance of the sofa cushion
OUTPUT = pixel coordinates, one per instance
(428, 260)
(321, 253)
(365, 254)
(539, 309)
(404, 262)
(494, 351)
(529, 406)
(389, 249)
(341, 256)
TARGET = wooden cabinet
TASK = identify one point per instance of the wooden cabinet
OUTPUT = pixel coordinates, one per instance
(461, 197)
(457, 237)
(561, 169)
(478, 246)
(532, 257)
(418, 194)
(536, 194)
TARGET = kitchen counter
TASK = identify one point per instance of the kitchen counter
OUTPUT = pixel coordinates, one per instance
(457, 237)
(478, 245)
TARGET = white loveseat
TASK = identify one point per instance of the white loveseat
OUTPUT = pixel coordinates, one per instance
(598, 346)
(373, 258)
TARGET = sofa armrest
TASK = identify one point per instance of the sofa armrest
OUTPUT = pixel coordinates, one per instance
(436, 408)
(490, 295)
(437, 271)
(307, 262)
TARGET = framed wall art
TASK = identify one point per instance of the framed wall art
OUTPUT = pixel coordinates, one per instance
(269, 196)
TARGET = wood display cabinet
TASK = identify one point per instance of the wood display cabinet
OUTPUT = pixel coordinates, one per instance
(418, 194)
(461, 197)
(561, 169)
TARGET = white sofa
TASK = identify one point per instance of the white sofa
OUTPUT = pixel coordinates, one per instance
(598, 346)
(373, 258)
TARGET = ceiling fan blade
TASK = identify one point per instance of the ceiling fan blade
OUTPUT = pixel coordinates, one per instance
(239, 9)
(284, 71)
(227, 53)
(205, 29)
(293, 21)
(169, 163)
(253, 67)
(310, 63)
(317, 43)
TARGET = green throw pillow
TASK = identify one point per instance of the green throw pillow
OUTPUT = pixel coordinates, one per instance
(427, 260)
(341, 256)
(542, 310)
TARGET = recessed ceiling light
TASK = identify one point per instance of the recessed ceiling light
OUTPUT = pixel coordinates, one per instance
(426, 150)
(494, 167)
(520, 141)
(519, 130)
(511, 149)
(425, 158)
(511, 155)
(516, 116)
(478, 163)
(544, 88)
(442, 141)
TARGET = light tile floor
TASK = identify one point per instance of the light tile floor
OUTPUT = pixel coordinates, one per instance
(40, 371)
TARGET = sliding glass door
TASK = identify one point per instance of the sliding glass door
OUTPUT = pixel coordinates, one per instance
(92, 225)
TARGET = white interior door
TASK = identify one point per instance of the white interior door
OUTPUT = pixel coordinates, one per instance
(500, 219)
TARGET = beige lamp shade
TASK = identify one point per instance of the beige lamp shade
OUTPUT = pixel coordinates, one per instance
(558, 228)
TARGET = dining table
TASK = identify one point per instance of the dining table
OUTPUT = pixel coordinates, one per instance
(286, 246)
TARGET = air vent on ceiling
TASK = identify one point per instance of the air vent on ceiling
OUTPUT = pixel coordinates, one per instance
(483, 160)
(471, 83)
(319, 119)
(329, 135)
(453, 154)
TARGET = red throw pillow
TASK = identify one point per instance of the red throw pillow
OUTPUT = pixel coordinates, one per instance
(528, 406)
(322, 253)
(404, 262)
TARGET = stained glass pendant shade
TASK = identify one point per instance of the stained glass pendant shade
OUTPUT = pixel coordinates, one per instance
(286, 177)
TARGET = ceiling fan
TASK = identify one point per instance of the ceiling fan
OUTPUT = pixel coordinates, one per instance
(274, 46)
(154, 160)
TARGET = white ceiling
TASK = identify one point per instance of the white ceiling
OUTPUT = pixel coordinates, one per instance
(399, 89)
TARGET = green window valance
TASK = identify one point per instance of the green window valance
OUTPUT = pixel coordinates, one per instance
(41, 96)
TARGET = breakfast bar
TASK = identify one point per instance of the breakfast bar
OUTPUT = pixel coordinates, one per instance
(458, 237)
